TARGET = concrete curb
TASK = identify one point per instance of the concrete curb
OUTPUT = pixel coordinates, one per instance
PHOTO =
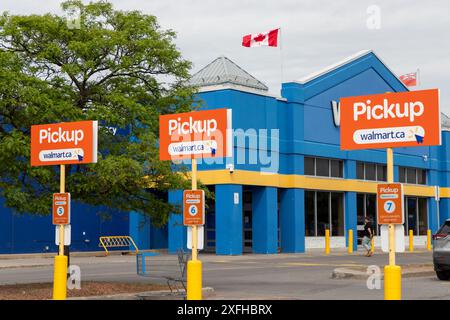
(148, 295)
(72, 254)
(347, 273)
(27, 266)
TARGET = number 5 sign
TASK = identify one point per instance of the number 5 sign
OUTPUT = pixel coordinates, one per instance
(390, 203)
(61, 208)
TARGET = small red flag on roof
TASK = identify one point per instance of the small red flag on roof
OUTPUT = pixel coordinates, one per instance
(409, 79)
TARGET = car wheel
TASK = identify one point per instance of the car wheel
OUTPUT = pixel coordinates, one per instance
(443, 275)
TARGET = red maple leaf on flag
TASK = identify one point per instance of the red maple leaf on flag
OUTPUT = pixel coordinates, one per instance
(260, 37)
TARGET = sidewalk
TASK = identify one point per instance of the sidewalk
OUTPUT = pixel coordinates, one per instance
(47, 259)
(38, 260)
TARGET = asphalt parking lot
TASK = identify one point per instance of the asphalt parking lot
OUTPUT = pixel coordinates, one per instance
(282, 276)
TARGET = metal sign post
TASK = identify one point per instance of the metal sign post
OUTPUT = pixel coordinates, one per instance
(60, 273)
(194, 266)
(50, 146)
(392, 272)
(192, 135)
(391, 120)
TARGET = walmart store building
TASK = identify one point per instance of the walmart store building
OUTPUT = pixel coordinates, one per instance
(265, 208)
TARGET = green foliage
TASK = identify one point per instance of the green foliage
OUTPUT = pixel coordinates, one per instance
(119, 68)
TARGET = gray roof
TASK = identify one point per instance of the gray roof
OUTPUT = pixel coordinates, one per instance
(445, 122)
(224, 71)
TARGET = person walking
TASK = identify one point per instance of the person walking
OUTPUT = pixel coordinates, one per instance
(367, 238)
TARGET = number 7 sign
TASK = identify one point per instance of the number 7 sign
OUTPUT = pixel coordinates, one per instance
(390, 203)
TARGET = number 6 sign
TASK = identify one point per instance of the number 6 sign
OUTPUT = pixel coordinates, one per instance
(193, 207)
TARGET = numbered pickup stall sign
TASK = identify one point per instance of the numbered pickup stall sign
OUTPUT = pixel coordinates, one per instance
(193, 207)
(198, 134)
(390, 203)
(64, 143)
(61, 208)
(391, 120)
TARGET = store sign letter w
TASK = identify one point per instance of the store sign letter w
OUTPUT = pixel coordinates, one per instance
(335, 107)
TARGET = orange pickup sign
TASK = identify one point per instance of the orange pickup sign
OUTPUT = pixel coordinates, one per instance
(391, 120)
(64, 143)
(390, 203)
(197, 134)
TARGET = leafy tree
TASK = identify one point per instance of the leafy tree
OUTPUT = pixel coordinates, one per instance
(119, 68)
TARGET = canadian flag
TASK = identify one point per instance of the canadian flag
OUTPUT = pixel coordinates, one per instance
(269, 38)
(409, 79)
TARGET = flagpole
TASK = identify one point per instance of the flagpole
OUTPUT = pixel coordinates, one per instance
(418, 77)
(281, 60)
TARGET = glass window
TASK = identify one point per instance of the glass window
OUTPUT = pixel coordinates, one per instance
(402, 174)
(336, 168)
(323, 213)
(370, 171)
(423, 217)
(360, 170)
(411, 215)
(309, 166)
(411, 175)
(322, 167)
(310, 229)
(324, 210)
(371, 210)
(381, 172)
(360, 208)
(247, 219)
(337, 214)
(421, 176)
(367, 203)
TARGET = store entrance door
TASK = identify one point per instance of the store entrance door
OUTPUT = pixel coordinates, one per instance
(247, 220)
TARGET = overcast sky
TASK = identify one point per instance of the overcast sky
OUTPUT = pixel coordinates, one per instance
(413, 34)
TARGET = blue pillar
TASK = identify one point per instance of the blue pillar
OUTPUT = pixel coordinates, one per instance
(433, 219)
(158, 237)
(350, 169)
(350, 205)
(265, 220)
(351, 218)
(177, 231)
(396, 173)
(432, 215)
(229, 219)
(140, 230)
(292, 220)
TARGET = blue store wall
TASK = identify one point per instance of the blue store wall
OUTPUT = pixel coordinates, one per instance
(304, 118)
(32, 234)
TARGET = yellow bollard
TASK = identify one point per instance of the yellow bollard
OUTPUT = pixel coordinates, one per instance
(60, 278)
(392, 283)
(372, 244)
(327, 241)
(350, 241)
(194, 280)
(411, 241)
(428, 239)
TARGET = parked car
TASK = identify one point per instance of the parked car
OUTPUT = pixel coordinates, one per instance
(441, 251)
